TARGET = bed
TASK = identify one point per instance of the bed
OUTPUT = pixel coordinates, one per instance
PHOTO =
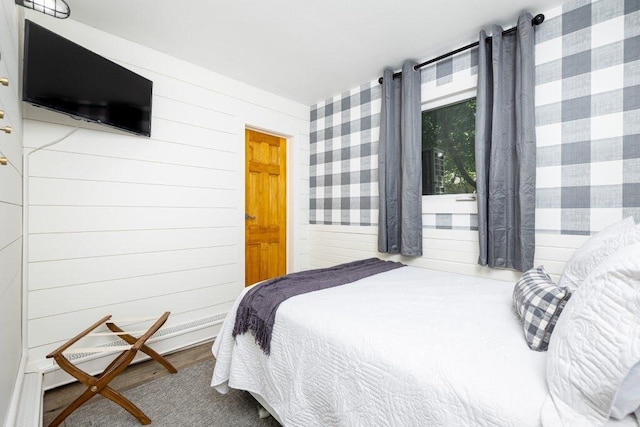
(407, 347)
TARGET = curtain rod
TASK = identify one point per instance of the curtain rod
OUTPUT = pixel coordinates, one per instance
(537, 20)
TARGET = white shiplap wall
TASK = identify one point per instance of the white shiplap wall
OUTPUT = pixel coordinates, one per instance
(444, 250)
(130, 226)
(10, 215)
(454, 250)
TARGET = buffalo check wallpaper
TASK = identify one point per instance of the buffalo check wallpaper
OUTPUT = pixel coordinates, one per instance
(588, 116)
(587, 126)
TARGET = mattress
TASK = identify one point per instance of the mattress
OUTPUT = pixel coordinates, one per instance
(410, 347)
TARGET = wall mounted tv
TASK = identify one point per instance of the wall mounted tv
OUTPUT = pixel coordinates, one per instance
(63, 76)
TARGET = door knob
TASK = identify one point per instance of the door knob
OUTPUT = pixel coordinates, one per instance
(251, 217)
(4, 81)
(6, 129)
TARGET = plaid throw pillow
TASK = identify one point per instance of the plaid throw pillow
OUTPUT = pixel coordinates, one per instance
(538, 302)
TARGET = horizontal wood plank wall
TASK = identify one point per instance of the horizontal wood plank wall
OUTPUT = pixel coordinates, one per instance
(134, 226)
(445, 250)
(10, 213)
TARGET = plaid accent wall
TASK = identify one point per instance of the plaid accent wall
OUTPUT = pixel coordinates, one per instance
(344, 146)
(450, 221)
(587, 123)
(588, 116)
(344, 161)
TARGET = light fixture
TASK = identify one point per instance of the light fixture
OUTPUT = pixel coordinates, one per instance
(56, 8)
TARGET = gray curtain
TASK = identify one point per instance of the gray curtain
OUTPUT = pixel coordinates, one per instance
(400, 164)
(506, 148)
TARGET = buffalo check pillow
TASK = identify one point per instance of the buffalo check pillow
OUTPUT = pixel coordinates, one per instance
(538, 302)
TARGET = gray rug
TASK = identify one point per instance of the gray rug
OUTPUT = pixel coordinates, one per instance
(183, 399)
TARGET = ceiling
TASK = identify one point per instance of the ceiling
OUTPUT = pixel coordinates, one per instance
(304, 50)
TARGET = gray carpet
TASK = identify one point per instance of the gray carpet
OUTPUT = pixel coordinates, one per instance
(183, 399)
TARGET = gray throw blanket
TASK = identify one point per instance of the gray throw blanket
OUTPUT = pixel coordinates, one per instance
(257, 310)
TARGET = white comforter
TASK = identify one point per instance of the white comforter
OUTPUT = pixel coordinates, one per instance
(409, 347)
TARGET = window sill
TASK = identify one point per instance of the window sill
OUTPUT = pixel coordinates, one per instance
(450, 203)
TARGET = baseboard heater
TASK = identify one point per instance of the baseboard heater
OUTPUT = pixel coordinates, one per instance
(166, 340)
(162, 333)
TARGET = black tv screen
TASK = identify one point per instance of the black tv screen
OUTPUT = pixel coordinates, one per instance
(63, 76)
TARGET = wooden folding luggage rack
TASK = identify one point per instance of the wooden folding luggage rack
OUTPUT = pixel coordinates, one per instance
(100, 383)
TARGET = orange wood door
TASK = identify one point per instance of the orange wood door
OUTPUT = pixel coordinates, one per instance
(265, 206)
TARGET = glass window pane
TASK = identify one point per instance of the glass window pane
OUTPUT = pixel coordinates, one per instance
(448, 156)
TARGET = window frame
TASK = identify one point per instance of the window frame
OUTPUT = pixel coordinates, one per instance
(458, 90)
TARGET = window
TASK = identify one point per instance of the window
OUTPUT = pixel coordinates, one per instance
(448, 156)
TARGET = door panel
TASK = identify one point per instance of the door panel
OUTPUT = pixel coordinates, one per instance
(265, 204)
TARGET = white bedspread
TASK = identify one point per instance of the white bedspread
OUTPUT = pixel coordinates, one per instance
(409, 347)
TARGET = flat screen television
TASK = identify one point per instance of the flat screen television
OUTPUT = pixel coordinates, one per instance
(63, 76)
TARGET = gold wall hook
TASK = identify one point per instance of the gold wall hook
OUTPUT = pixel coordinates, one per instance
(3, 161)
(4, 81)
(1, 114)
(6, 129)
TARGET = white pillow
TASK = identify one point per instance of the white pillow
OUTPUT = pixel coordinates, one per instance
(596, 249)
(627, 400)
(596, 343)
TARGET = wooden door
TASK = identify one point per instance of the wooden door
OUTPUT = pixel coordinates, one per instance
(265, 206)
